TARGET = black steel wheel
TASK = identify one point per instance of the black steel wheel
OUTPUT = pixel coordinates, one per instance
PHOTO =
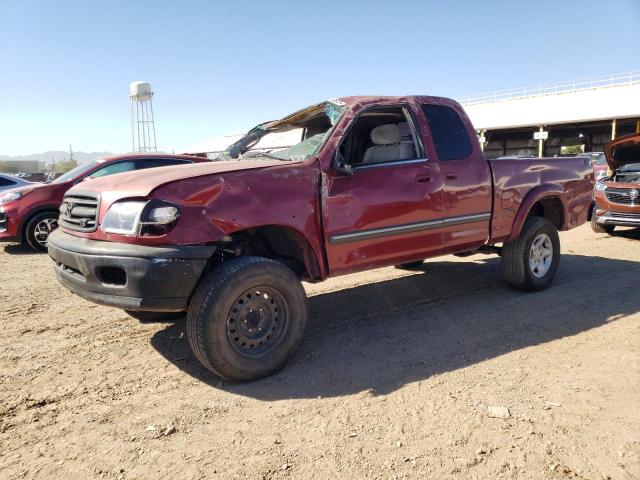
(257, 322)
(246, 318)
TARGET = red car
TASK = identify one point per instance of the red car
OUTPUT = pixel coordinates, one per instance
(372, 182)
(30, 213)
(599, 162)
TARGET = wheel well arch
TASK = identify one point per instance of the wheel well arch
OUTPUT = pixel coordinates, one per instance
(546, 204)
(550, 208)
(272, 241)
(27, 218)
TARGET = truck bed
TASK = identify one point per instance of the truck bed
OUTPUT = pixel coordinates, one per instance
(519, 181)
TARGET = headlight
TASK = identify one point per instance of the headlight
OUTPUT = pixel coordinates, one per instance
(600, 187)
(9, 197)
(159, 212)
(143, 218)
(158, 217)
(123, 218)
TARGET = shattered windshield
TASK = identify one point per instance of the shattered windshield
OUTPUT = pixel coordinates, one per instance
(296, 137)
(297, 152)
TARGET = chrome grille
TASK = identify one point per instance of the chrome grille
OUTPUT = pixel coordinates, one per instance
(3, 221)
(79, 212)
(623, 196)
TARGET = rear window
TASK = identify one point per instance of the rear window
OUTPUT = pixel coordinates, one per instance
(448, 132)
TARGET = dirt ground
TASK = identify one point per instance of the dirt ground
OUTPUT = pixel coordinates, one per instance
(393, 380)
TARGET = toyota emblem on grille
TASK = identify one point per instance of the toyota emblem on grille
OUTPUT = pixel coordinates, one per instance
(634, 194)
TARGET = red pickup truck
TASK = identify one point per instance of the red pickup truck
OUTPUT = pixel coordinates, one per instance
(372, 182)
(29, 213)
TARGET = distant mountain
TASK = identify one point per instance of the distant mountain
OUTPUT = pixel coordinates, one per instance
(57, 156)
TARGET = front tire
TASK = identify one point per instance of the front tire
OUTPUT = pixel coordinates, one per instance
(247, 318)
(530, 262)
(39, 228)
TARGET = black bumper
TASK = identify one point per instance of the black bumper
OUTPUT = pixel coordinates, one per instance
(128, 276)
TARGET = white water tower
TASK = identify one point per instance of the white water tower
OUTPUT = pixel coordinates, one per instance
(143, 129)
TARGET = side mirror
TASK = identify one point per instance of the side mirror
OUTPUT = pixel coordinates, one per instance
(340, 166)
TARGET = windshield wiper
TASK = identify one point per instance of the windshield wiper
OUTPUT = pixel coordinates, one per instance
(255, 153)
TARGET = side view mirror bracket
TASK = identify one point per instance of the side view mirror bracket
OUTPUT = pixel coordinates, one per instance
(340, 166)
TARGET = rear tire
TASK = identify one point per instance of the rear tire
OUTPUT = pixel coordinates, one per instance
(410, 265)
(530, 262)
(38, 229)
(150, 317)
(247, 318)
(598, 227)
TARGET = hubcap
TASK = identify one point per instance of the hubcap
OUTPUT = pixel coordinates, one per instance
(541, 255)
(257, 322)
(43, 228)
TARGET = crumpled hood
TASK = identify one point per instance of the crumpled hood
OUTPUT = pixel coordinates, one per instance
(623, 150)
(141, 183)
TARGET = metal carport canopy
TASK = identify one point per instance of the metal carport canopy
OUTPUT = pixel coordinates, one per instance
(573, 106)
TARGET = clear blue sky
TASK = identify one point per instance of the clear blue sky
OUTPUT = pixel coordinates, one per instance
(221, 67)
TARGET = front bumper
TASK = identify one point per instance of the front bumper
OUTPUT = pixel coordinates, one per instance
(8, 229)
(619, 218)
(128, 276)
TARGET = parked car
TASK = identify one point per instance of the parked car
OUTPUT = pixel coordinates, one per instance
(29, 213)
(372, 182)
(599, 163)
(9, 181)
(617, 197)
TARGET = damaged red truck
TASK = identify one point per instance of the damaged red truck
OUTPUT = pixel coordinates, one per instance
(373, 182)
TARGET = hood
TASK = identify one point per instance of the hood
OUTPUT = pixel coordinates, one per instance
(622, 151)
(141, 183)
(24, 189)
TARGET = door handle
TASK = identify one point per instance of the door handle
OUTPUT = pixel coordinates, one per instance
(423, 179)
(451, 176)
